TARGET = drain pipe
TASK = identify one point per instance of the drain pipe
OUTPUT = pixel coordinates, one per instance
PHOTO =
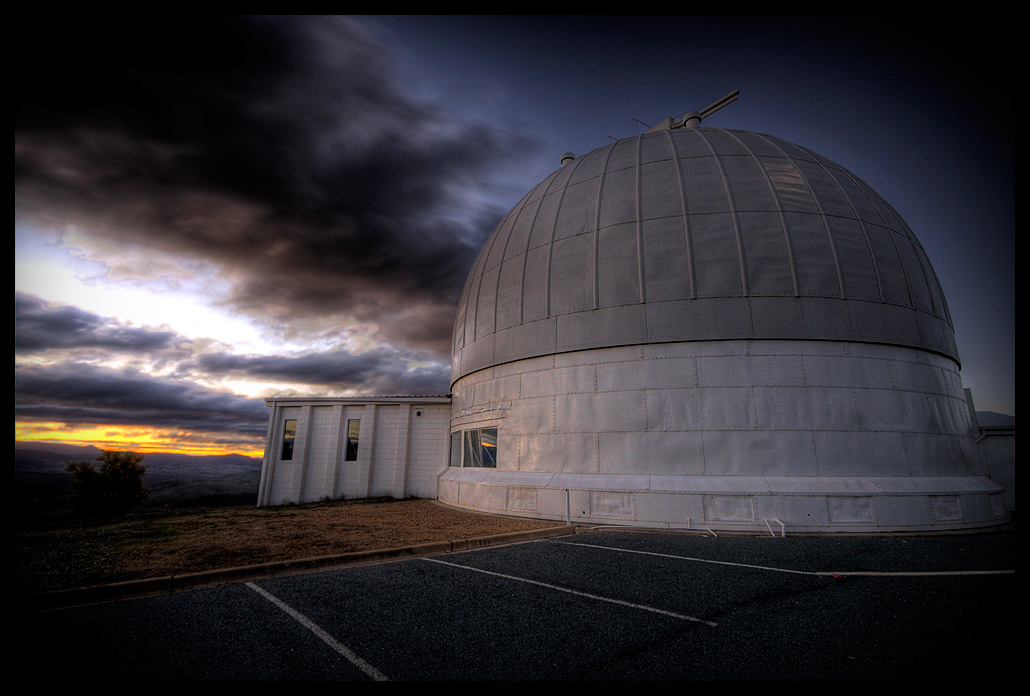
(568, 509)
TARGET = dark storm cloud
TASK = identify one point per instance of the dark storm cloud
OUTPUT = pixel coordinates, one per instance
(282, 149)
(377, 372)
(78, 393)
(40, 328)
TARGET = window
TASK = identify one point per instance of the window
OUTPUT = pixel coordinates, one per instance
(289, 435)
(353, 428)
(474, 448)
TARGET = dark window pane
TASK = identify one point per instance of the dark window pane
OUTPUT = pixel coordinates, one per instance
(353, 430)
(289, 435)
(488, 438)
(473, 449)
(480, 448)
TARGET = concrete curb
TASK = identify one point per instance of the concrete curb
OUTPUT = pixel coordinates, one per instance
(191, 581)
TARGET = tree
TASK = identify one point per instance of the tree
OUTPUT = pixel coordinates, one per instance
(115, 489)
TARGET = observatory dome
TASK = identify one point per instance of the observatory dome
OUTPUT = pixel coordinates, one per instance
(714, 327)
(697, 234)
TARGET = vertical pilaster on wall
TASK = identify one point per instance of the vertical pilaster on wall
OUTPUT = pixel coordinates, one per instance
(332, 470)
(400, 469)
(267, 466)
(300, 450)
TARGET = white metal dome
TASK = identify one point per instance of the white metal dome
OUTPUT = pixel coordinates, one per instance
(697, 234)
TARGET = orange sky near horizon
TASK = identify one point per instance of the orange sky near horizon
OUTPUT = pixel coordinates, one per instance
(135, 439)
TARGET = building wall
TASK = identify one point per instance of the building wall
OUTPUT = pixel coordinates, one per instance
(427, 450)
(998, 454)
(816, 434)
(401, 449)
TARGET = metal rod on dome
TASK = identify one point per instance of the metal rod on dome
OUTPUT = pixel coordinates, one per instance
(693, 118)
(719, 103)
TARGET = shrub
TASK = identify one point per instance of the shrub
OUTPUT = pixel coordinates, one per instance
(115, 489)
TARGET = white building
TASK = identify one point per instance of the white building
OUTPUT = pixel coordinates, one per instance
(354, 448)
(693, 327)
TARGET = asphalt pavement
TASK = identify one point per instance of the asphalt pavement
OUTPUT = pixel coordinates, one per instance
(597, 605)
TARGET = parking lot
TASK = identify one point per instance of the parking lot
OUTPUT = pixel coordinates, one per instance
(604, 605)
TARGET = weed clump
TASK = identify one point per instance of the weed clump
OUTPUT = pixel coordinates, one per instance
(114, 489)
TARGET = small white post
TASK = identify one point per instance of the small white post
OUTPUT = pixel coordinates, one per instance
(783, 527)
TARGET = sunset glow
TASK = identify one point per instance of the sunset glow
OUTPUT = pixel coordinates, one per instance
(129, 439)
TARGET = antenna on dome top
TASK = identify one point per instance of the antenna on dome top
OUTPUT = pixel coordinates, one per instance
(692, 119)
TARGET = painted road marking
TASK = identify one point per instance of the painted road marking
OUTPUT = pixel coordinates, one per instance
(917, 573)
(576, 592)
(835, 574)
(697, 560)
(314, 628)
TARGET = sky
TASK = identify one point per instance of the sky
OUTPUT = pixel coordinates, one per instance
(210, 211)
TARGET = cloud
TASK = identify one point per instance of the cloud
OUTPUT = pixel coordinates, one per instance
(40, 328)
(78, 393)
(283, 150)
(86, 387)
(379, 372)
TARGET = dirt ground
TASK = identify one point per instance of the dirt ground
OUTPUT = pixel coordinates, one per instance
(368, 526)
(178, 542)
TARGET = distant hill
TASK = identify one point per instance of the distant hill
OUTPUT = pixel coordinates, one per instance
(174, 480)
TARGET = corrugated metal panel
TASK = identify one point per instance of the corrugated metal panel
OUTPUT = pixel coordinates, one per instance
(526, 340)
(567, 380)
(660, 190)
(769, 267)
(518, 239)
(672, 373)
(572, 275)
(730, 371)
(749, 184)
(667, 266)
(675, 410)
(594, 413)
(576, 214)
(716, 255)
(486, 303)
(697, 320)
(705, 189)
(857, 268)
(817, 270)
(611, 326)
(509, 292)
(617, 263)
(535, 291)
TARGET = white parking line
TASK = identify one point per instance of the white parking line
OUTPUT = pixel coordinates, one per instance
(823, 573)
(917, 573)
(576, 592)
(314, 628)
(697, 560)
